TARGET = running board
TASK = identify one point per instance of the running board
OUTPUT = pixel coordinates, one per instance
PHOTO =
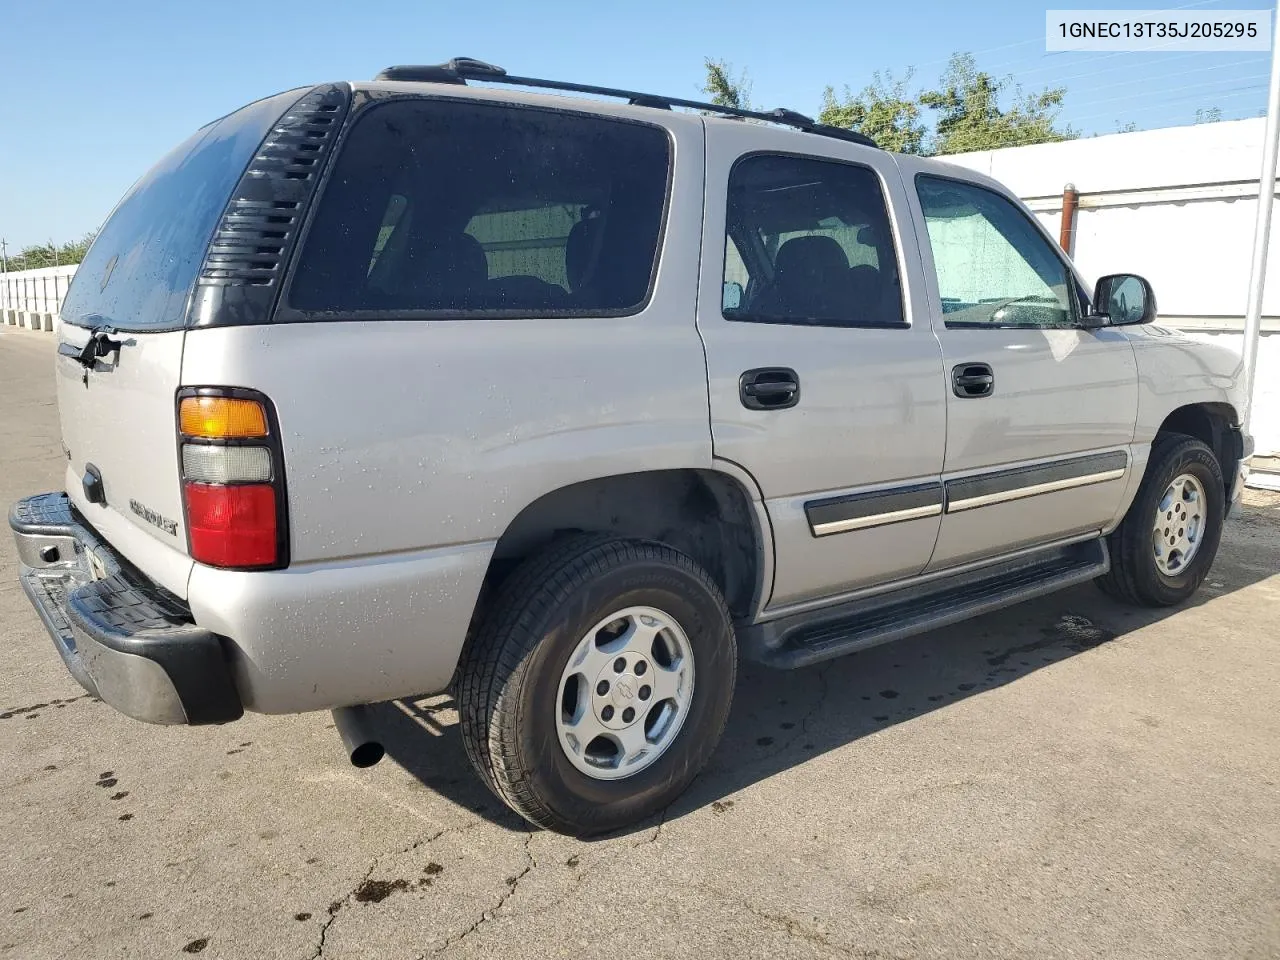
(815, 635)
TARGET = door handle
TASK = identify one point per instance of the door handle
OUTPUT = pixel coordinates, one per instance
(769, 388)
(972, 380)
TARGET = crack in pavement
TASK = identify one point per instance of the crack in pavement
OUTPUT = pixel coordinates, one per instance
(662, 820)
(794, 928)
(486, 915)
(802, 729)
(338, 905)
(798, 930)
(345, 900)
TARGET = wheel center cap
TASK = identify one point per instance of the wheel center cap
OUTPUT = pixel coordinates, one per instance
(622, 695)
(624, 691)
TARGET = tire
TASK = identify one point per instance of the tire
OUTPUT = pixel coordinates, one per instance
(514, 681)
(1136, 574)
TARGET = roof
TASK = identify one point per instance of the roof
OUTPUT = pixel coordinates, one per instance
(458, 71)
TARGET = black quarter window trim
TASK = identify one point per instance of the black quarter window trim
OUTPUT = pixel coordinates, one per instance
(876, 508)
(362, 106)
(903, 324)
(1054, 249)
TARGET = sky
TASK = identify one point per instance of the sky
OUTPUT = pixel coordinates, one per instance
(94, 93)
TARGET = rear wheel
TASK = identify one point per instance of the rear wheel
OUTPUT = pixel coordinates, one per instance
(599, 684)
(1162, 550)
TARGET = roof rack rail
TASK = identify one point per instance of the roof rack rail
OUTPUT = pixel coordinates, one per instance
(461, 69)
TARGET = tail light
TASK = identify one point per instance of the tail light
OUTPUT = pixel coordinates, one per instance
(232, 478)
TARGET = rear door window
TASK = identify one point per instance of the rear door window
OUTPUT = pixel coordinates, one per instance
(809, 242)
(472, 209)
(141, 267)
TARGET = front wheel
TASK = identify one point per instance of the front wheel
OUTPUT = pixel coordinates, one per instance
(599, 684)
(1162, 550)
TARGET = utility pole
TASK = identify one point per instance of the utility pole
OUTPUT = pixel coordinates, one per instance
(4, 256)
(1262, 228)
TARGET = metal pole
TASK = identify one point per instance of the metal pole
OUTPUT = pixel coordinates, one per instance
(1067, 227)
(1262, 228)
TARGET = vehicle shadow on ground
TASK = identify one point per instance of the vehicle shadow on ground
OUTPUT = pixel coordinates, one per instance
(782, 718)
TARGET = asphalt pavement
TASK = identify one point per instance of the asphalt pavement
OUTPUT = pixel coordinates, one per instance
(1068, 778)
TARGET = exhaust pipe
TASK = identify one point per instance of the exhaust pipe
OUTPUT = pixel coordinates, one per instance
(353, 723)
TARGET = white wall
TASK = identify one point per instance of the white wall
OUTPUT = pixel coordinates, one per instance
(33, 298)
(1176, 205)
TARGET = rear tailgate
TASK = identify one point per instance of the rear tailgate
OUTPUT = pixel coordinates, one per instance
(118, 403)
(118, 425)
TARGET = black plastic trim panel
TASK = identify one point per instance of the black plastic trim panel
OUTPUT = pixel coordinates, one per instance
(123, 611)
(127, 617)
(1007, 481)
(857, 506)
(256, 235)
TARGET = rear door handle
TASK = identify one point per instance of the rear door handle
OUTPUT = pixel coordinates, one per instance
(769, 388)
(972, 380)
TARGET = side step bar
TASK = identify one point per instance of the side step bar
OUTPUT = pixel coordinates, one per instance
(816, 635)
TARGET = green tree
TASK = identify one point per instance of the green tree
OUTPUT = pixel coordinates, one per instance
(970, 115)
(883, 110)
(50, 254)
(724, 88)
(1208, 115)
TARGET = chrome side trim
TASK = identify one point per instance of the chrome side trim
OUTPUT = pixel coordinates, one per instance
(969, 503)
(876, 520)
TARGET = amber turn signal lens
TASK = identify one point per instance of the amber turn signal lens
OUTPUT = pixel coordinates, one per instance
(222, 417)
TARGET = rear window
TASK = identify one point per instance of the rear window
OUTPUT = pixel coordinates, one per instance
(141, 267)
(465, 208)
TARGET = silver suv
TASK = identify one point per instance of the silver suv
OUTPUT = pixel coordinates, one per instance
(564, 404)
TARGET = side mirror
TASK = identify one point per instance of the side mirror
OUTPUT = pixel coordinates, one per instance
(1124, 299)
(731, 297)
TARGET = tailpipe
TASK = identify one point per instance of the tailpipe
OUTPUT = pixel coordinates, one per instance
(354, 727)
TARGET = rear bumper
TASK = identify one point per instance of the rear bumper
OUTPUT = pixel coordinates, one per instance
(122, 637)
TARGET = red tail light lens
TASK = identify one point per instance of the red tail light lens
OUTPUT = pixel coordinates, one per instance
(232, 526)
(232, 478)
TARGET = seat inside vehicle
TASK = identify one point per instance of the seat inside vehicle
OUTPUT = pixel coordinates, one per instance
(814, 240)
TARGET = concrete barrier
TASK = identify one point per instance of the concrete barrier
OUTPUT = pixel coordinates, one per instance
(29, 298)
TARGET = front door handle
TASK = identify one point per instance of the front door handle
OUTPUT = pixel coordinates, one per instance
(972, 380)
(769, 388)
